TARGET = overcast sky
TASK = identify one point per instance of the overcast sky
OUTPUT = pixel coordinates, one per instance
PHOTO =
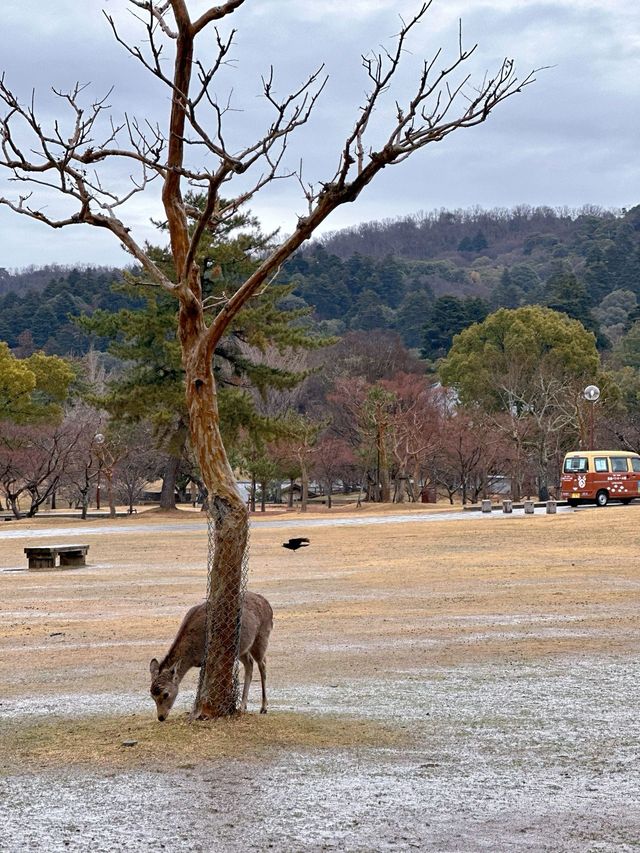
(570, 139)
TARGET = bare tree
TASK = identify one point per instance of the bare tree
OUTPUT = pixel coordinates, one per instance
(332, 459)
(33, 458)
(69, 157)
(414, 430)
(138, 464)
(296, 450)
(82, 469)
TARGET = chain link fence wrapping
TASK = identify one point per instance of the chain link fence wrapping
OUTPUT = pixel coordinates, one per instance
(222, 631)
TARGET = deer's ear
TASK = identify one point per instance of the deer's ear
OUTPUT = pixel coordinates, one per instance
(174, 670)
(154, 668)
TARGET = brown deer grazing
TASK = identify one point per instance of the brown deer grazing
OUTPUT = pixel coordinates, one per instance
(187, 650)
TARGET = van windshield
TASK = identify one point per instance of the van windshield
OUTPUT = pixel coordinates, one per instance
(576, 465)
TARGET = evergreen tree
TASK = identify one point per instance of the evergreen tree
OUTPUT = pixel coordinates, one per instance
(371, 313)
(596, 275)
(527, 280)
(388, 282)
(360, 273)
(506, 294)
(622, 260)
(628, 350)
(449, 316)
(411, 316)
(151, 384)
(477, 244)
(33, 389)
(564, 293)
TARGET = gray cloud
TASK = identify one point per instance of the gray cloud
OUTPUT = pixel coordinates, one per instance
(572, 138)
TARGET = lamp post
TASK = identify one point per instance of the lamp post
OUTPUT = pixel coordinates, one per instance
(591, 393)
(99, 441)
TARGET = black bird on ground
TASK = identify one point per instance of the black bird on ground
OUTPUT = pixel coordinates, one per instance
(294, 544)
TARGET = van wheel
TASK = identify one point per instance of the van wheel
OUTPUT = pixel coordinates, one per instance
(573, 502)
(602, 498)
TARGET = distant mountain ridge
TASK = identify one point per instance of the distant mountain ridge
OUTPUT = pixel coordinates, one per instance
(443, 233)
(393, 274)
(424, 276)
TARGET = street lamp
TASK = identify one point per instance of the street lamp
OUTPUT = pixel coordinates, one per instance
(99, 440)
(592, 394)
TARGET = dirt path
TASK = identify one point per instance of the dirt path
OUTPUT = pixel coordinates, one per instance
(442, 686)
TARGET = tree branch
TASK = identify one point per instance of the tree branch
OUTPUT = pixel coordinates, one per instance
(60, 159)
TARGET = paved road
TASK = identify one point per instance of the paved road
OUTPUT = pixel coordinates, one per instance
(297, 522)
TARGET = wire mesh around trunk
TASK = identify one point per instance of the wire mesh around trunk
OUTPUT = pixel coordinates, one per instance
(223, 632)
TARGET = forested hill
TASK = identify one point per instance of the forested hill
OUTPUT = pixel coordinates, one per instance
(38, 306)
(451, 268)
(464, 234)
(426, 277)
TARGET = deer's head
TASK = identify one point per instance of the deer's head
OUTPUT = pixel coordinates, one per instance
(164, 687)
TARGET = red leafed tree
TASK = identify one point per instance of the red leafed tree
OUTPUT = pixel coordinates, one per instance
(189, 151)
(414, 432)
(470, 452)
(331, 460)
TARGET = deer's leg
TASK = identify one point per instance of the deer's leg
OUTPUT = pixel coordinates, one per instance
(247, 662)
(262, 666)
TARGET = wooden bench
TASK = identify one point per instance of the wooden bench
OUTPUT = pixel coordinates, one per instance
(44, 556)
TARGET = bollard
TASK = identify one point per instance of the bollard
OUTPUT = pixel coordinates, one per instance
(486, 506)
(529, 507)
(507, 506)
(551, 507)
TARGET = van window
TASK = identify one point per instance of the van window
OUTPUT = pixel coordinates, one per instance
(576, 464)
(618, 463)
(601, 463)
(635, 464)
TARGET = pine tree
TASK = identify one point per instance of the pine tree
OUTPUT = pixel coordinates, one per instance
(151, 384)
(506, 294)
(566, 294)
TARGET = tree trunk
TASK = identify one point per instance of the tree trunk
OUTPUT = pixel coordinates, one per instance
(112, 506)
(252, 494)
(383, 466)
(304, 488)
(543, 472)
(263, 496)
(169, 479)
(516, 485)
(230, 516)
(15, 508)
(33, 507)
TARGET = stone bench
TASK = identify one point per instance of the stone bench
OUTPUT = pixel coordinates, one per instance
(45, 556)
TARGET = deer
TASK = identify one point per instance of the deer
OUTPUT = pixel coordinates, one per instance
(188, 648)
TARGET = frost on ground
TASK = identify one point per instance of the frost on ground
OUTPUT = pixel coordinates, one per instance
(504, 651)
(534, 757)
(343, 801)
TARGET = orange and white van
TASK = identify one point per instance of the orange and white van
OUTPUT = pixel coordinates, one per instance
(600, 476)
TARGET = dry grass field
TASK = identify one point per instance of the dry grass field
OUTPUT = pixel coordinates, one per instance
(436, 685)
